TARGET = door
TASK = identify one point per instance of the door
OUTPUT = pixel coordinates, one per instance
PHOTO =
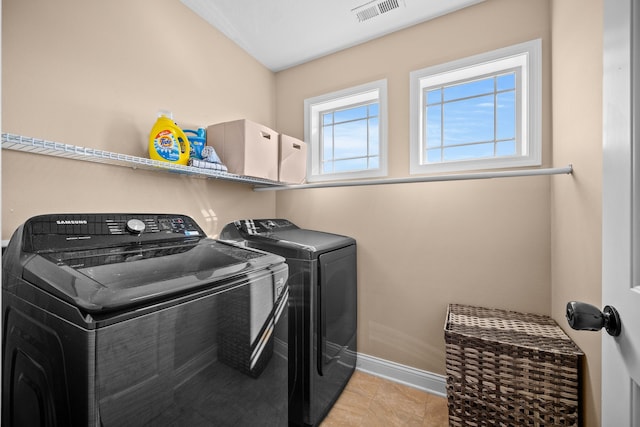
(621, 211)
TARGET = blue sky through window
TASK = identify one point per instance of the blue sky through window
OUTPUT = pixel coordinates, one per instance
(351, 139)
(471, 120)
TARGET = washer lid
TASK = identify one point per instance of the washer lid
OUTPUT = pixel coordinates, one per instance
(105, 279)
(284, 238)
(308, 240)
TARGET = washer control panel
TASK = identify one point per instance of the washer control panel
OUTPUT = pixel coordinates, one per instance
(263, 226)
(63, 231)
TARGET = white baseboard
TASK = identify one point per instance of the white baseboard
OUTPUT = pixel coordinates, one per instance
(412, 377)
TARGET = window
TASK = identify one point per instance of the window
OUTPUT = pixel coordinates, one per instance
(347, 133)
(481, 112)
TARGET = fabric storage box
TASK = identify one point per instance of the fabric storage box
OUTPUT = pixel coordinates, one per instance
(292, 160)
(506, 368)
(246, 148)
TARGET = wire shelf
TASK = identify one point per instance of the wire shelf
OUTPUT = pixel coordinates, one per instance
(68, 151)
(51, 148)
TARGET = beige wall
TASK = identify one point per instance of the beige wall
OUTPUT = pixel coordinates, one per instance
(528, 244)
(95, 74)
(422, 246)
(577, 202)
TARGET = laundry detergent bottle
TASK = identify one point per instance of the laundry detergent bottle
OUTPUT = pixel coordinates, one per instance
(167, 142)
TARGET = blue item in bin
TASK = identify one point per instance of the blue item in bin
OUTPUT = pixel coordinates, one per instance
(197, 140)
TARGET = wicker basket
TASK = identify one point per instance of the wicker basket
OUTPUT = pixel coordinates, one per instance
(510, 369)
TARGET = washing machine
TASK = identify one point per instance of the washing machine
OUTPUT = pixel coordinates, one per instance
(141, 320)
(322, 309)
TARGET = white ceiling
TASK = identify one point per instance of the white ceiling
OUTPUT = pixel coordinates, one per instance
(284, 33)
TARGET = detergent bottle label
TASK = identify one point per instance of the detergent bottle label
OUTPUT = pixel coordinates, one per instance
(167, 146)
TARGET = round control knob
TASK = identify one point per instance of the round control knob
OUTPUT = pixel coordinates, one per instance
(135, 226)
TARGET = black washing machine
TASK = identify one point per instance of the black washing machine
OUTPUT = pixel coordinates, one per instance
(141, 320)
(323, 309)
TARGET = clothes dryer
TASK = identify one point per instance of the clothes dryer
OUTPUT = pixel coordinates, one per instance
(140, 320)
(323, 309)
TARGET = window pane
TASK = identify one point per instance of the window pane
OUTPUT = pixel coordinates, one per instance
(506, 115)
(507, 81)
(374, 137)
(350, 114)
(327, 118)
(434, 126)
(468, 152)
(350, 165)
(478, 87)
(434, 155)
(469, 120)
(327, 143)
(327, 167)
(506, 148)
(374, 162)
(350, 139)
(434, 96)
(350, 136)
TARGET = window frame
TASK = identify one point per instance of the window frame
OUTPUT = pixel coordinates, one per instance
(526, 59)
(345, 98)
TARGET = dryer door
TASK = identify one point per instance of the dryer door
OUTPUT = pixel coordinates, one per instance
(337, 311)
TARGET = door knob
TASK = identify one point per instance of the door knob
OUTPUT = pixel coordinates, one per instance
(586, 317)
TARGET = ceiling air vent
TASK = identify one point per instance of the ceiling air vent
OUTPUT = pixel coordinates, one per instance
(368, 11)
(388, 5)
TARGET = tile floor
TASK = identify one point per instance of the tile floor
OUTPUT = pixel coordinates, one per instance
(369, 401)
